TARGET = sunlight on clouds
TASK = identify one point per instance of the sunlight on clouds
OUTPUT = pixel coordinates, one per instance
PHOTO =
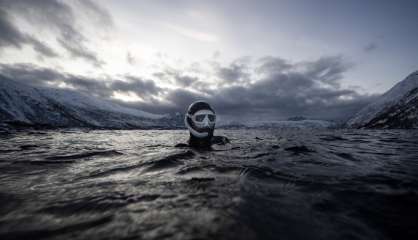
(62, 85)
(196, 35)
(346, 97)
(195, 39)
(126, 96)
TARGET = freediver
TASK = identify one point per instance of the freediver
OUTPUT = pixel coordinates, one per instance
(200, 120)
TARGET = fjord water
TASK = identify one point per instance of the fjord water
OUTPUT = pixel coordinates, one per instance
(267, 184)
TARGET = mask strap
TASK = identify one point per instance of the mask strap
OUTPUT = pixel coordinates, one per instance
(194, 132)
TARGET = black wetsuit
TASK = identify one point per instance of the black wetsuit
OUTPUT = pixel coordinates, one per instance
(204, 143)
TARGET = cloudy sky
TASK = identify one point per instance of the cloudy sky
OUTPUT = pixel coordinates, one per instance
(259, 59)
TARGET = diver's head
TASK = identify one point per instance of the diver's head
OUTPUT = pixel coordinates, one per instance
(200, 120)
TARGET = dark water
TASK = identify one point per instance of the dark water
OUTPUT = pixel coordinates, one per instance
(294, 184)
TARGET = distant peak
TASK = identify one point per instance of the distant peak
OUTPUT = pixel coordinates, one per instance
(413, 74)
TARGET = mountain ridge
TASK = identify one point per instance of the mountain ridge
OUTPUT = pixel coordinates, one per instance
(397, 108)
(25, 105)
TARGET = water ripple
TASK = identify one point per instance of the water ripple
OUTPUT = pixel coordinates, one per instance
(265, 184)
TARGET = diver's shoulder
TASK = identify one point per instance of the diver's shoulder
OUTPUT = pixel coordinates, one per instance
(220, 140)
(215, 140)
(181, 145)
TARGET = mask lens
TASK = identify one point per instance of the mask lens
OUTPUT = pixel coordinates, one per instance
(211, 117)
(200, 117)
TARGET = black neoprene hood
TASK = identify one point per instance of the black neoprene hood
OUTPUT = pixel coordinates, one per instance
(199, 105)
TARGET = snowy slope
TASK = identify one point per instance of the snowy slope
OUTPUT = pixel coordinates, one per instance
(17, 100)
(20, 103)
(302, 124)
(397, 105)
(76, 99)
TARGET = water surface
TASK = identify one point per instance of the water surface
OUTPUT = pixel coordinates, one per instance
(267, 184)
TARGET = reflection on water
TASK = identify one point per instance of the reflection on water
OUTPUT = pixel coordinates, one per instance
(294, 184)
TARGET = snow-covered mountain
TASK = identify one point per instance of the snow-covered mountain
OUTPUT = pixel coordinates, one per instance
(284, 124)
(21, 104)
(397, 108)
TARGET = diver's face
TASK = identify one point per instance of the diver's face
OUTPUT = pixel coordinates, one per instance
(204, 119)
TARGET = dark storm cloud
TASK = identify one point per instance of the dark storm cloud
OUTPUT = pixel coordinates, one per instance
(236, 72)
(232, 73)
(328, 70)
(30, 74)
(271, 64)
(12, 37)
(142, 87)
(289, 90)
(370, 47)
(177, 77)
(175, 101)
(181, 98)
(146, 89)
(92, 86)
(103, 87)
(42, 48)
(46, 77)
(77, 50)
(185, 80)
(98, 13)
(311, 89)
(60, 17)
